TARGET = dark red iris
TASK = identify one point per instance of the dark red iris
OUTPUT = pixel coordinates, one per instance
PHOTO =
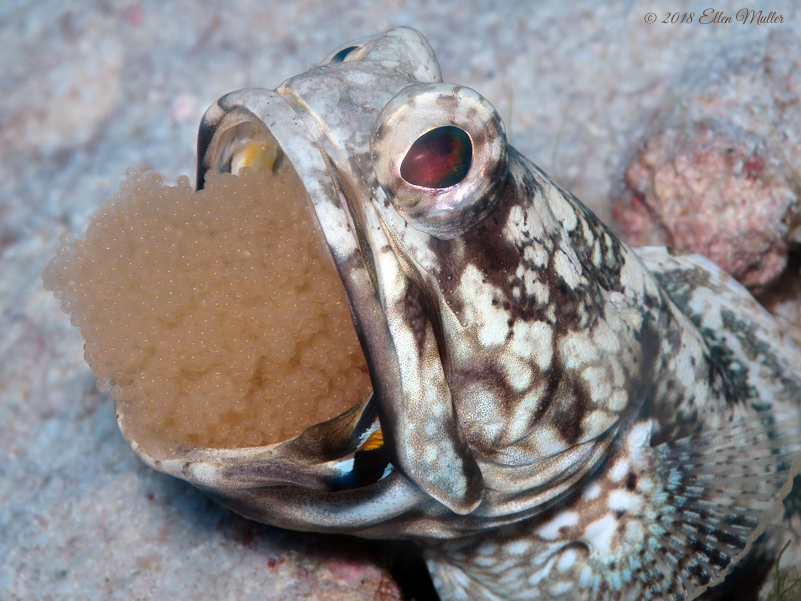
(438, 159)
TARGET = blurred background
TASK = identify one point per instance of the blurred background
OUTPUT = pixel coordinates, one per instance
(91, 88)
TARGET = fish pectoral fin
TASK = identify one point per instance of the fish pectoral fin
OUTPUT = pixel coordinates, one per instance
(454, 584)
(654, 524)
(685, 512)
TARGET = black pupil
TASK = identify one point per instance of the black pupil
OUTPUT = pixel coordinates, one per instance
(439, 158)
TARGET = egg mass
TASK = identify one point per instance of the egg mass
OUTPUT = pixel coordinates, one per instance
(216, 318)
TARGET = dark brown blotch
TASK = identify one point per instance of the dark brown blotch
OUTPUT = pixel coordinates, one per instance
(571, 408)
(415, 316)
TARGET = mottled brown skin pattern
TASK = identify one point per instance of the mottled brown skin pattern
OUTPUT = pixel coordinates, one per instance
(563, 417)
(648, 341)
(684, 387)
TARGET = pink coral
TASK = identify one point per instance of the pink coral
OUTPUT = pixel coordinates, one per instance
(714, 172)
(704, 191)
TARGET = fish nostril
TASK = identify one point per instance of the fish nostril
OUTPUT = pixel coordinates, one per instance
(340, 56)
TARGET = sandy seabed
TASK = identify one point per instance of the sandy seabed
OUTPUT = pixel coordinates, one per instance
(90, 89)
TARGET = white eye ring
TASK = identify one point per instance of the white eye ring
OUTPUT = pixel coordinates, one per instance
(417, 110)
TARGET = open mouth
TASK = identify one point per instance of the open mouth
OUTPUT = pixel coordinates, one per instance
(216, 318)
(229, 322)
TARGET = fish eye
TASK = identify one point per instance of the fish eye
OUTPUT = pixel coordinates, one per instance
(440, 158)
(342, 54)
(439, 154)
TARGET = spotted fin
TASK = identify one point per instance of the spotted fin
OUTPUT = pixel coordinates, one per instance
(656, 524)
(453, 584)
(714, 495)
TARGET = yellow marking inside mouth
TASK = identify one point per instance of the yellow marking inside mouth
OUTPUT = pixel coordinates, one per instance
(259, 157)
(374, 441)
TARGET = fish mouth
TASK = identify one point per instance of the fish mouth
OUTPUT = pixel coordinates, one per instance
(193, 301)
(350, 469)
(408, 380)
(338, 471)
(218, 318)
(342, 467)
(343, 425)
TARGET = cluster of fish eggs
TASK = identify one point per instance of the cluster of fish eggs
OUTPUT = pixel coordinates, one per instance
(216, 318)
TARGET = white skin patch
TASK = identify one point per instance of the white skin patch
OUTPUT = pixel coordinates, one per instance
(632, 272)
(598, 382)
(538, 577)
(617, 401)
(516, 224)
(599, 534)
(592, 490)
(539, 292)
(566, 269)
(485, 562)
(487, 548)
(512, 575)
(519, 547)
(586, 576)
(618, 375)
(519, 425)
(623, 500)
(549, 442)
(560, 588)
(567, 560)
(619, 470)
(518, 373)
(533, 341)
(337, 231)
(535, 254)
(595, 424)
(431, 455)
(490, 320)
(460, 577)
(534, 290)
(634, 531)
(640, 434)
(607, 338)
(550, 530)
(575, 348)
(562, 210)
